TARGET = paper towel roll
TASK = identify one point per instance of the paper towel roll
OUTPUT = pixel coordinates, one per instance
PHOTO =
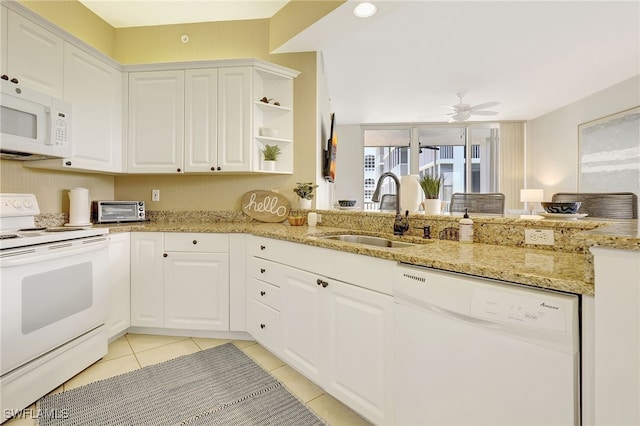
(79, 207)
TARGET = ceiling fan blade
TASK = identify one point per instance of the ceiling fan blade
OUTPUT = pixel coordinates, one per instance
(484, 112)
(484, 105)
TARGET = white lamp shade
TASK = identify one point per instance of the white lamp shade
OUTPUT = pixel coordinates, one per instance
(531, 195)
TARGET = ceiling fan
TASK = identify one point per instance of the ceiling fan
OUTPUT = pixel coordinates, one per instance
(462, 111)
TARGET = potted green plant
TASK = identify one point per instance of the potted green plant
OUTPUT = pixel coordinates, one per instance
(431, 185)
(270, 156)
(304, 190)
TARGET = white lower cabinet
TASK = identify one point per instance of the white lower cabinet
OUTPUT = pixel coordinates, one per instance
(119, 314)
(180, 280)
(337, 334)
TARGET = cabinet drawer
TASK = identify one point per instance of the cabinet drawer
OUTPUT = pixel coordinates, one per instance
(196, 242)
(263, 270)
(265, 293)
(264, 325)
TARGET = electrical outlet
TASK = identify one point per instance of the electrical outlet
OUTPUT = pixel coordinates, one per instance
(543, 237)
(155, 195)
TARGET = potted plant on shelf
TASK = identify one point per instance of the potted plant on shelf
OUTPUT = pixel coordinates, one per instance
(270, 154)
(305, 192)
(431, 185)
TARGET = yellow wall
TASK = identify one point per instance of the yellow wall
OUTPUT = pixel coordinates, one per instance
(208, 41)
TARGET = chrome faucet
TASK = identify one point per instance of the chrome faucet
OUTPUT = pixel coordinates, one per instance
(400, 224)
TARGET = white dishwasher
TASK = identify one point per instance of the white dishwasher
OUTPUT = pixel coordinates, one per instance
(472, 351)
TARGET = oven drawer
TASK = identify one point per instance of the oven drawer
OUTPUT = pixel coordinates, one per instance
(196, 242)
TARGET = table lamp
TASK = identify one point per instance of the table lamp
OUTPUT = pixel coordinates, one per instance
(531, 196)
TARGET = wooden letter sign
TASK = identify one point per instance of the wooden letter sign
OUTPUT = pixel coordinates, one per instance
(265, 206)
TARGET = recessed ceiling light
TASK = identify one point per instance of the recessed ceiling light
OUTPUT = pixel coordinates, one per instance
(365, 10)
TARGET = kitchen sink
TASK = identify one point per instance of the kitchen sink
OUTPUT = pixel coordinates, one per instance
(368, 240)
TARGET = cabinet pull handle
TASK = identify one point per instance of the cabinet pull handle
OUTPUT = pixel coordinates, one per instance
(262, 247)
(5, 77)
(262, 326)
(14, 80)
(195, 241)
(318, 281)
(262, 293)
(67, 163)
(165, 255)
(262, 270)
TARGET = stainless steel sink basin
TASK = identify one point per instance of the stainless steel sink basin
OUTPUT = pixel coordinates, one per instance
(367, 240)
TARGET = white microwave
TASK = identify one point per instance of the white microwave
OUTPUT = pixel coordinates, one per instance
(33, 125)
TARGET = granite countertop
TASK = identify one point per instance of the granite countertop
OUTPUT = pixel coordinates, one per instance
(561, 271)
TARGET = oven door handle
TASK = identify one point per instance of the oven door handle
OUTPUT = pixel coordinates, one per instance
(52, 251)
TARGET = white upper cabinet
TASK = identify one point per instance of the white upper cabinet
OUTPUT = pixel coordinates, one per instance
(94, 89)
(201, 121)
(206, 120)
(156, 122)
(234, 126)
(34, 56)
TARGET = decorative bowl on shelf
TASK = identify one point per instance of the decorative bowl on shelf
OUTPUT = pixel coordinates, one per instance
(346, 203)
(268, 132)
(296, 220)
(570, 207)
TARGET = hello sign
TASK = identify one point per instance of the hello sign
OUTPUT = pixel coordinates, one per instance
(265, 206)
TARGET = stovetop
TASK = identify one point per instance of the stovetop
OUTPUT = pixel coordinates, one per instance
(17, 224)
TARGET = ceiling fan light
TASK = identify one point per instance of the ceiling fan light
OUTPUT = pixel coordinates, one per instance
(461, 116)
(365, 9)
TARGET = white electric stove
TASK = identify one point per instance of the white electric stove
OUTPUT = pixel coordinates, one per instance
(53, 302)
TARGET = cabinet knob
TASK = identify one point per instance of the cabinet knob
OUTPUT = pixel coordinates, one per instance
(219, 168)
(178, 169)
(262, 247)
(67, 163)
(165, 255)
(14, 80)
(5, 77)
(262, 293)
(213, 169)
(262, 326)
(322, 283)
(262, 270)
(195, 241)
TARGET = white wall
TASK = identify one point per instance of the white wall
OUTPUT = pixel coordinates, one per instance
(552, 139)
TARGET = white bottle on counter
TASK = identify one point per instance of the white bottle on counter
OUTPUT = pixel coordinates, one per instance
(466, 229)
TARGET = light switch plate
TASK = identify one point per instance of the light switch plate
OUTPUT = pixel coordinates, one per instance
(542, 237)
(155, 195)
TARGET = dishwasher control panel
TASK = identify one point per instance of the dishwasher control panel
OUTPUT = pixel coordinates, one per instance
(512, 308)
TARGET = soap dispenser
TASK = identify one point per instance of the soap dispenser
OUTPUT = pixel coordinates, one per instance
(466, 228)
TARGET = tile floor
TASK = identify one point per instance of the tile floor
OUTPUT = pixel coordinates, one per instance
(133, 351)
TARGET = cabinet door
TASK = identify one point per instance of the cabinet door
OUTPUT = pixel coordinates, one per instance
(147, 294)
(359, 328)
(119, 313)
(196, 291)
(95, 90)
(234, 119)
(34, 56)
(301, 321)
(156, 122)
(201, 120)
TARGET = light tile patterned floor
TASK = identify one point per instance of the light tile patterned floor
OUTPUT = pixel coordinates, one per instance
(133, 351)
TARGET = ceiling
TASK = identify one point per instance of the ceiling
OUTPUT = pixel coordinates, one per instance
(407, 62)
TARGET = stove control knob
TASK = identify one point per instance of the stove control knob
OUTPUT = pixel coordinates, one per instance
(28, 204)
(17, 204)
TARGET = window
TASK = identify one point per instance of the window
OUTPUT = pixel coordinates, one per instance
(434, 149)
(369, 163)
